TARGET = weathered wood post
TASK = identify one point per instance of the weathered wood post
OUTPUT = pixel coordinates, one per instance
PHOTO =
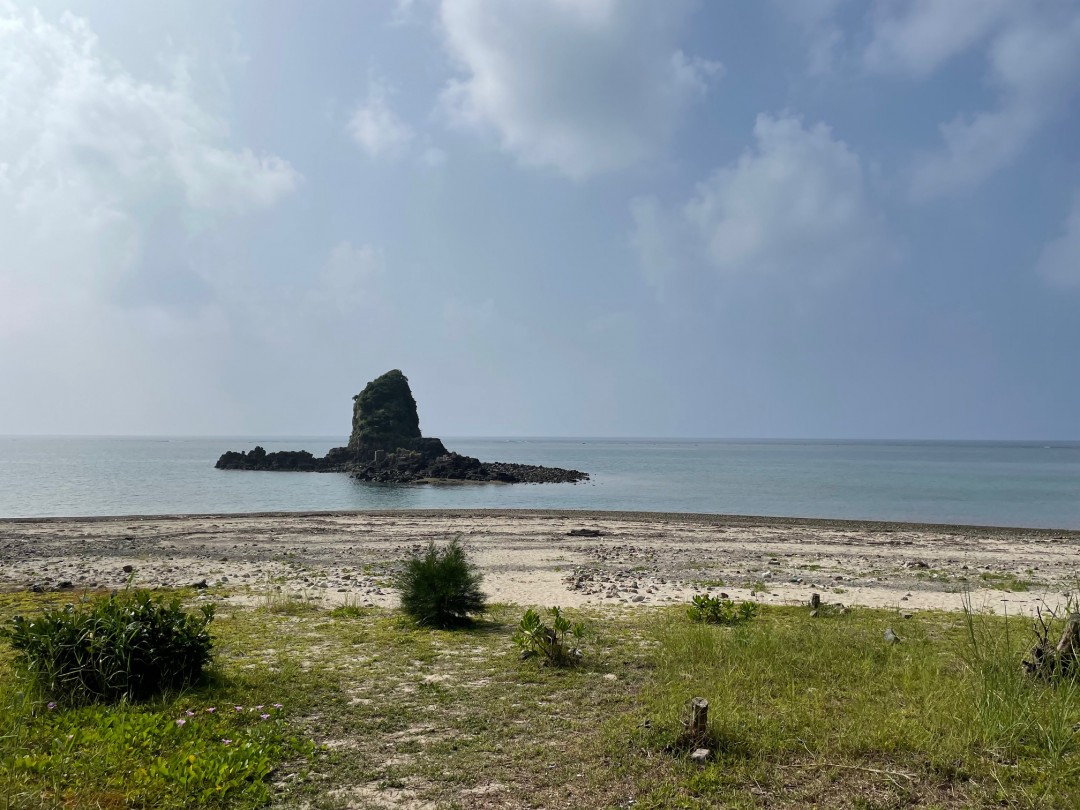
(699, 718)
(815, 601)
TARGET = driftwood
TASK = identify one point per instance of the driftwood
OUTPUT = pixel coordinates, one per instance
(1059, 660)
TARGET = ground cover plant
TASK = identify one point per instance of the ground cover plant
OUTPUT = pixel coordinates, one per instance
(802, 713)
(441, 587)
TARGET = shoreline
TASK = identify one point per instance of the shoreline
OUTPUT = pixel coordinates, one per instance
(713, 518)
(529, 557)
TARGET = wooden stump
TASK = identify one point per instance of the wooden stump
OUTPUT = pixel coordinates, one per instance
(1068, 649)
(699, 718)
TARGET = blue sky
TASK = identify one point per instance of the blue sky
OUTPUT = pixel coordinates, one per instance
(804, 218)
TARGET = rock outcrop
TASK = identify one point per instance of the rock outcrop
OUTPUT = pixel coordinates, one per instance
(386, 446)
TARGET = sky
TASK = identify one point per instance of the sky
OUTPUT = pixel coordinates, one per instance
(774, 219)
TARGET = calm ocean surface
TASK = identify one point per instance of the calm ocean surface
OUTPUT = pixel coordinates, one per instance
(1004, 484)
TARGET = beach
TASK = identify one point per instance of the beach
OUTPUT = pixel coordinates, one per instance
(533, 557)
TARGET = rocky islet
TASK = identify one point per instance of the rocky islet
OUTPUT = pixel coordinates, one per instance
(386, 446)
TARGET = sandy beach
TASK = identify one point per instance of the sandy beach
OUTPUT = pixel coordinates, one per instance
(532, 557)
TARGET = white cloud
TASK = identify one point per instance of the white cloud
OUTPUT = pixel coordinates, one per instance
(918, 36)
(581, 86)
(793, 206)
(1059, 262)
(376, 128)
(91, 155)
(68, 116)
(1033, 59)
(1036, 65)
(823, 35)
(111, 188)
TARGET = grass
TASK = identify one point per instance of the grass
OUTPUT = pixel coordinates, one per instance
(1006, 582)
(803, 712)
(709, 583)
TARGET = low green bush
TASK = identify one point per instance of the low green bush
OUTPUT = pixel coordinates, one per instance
(441, 588)
(125, 646)
(555, 644)
(714, 610)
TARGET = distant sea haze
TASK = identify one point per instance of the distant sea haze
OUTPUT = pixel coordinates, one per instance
(1026, 484)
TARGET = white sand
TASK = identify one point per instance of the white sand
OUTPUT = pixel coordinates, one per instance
(528, 558)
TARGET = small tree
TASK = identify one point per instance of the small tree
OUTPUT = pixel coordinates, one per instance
(441, 588)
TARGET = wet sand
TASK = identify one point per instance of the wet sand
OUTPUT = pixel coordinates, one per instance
(529, 557)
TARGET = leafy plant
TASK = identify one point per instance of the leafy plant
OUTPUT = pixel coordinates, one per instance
(555, 644)
(442, 587)
(713, 610)
(127, 645)
(153, 756)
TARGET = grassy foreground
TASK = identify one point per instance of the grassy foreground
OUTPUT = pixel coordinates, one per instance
(374, 712)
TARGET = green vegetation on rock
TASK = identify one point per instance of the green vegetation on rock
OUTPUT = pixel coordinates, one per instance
(384, 413)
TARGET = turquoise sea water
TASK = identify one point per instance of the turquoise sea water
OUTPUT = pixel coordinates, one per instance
(1034, 484)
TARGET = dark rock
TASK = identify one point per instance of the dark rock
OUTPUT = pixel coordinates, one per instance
(127, 569)
(37, 587)
(66, 585)
(201, 584)
(386, 447)
(585, 533)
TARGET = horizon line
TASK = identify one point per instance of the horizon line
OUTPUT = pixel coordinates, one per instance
(535, 437)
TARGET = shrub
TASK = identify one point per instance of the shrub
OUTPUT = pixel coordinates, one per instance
(713, 610)
(442, 587)
(127, 645)
(552, 643)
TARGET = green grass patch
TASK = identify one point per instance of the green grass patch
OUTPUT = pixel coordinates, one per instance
(945, 715)
(803, 713)
(1005, 582)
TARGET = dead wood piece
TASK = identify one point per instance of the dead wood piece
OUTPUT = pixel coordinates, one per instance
(699, 718)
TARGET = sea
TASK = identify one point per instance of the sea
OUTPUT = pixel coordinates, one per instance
(1023, 484)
